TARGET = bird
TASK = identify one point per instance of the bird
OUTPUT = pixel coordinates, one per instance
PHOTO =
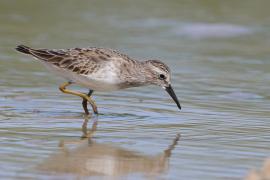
(101, 69)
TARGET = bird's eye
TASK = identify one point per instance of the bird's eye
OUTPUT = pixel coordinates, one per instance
(162, 76)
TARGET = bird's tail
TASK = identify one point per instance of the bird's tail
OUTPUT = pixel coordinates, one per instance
(23, 49)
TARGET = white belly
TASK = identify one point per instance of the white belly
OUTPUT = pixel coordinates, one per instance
(100, 81)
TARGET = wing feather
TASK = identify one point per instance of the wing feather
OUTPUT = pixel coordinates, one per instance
(83, 61)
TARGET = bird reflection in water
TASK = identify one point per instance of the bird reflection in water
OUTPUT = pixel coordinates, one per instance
(96, 159)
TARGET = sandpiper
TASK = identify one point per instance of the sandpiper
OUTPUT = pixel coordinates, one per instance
(101, 69)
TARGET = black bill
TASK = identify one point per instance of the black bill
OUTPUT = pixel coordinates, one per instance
(169, 89)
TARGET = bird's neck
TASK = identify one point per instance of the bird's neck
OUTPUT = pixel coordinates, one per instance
(147, 73)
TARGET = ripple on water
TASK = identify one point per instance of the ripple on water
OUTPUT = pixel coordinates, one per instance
(240, 96)
(220, 61)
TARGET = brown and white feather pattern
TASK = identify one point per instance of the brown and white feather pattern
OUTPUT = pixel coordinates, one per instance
(98, 68)
(83, 61)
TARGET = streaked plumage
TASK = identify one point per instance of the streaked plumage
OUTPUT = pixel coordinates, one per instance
(102, 69)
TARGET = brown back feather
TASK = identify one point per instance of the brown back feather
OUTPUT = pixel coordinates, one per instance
(81, 61)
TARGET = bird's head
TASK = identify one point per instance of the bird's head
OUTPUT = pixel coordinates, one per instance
(159, 74)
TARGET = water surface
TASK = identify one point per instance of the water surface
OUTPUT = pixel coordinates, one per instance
(218, 52)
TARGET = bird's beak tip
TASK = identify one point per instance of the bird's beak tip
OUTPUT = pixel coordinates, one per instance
(169, 89)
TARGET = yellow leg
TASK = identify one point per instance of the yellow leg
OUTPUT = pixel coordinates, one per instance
(84, 96)
(84, 102)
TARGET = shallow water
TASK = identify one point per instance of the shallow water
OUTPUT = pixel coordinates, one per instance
(219, 56)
